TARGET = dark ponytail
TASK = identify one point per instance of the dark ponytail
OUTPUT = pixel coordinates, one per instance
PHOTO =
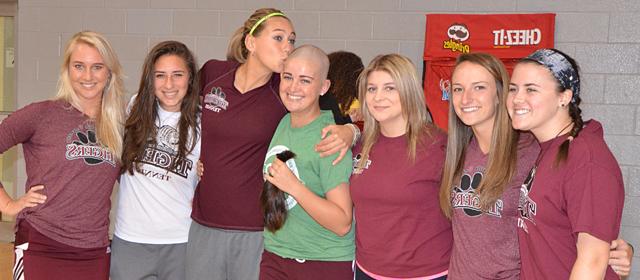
(272, 201)
(574, 112)
(576, 117)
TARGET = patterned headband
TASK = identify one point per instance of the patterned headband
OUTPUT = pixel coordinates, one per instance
(560, 67)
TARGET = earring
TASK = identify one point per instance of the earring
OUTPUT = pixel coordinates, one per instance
(562, 105)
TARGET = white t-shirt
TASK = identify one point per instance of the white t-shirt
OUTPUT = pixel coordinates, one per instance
(154, 205)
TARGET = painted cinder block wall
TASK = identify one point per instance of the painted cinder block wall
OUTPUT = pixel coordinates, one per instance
(602, 35)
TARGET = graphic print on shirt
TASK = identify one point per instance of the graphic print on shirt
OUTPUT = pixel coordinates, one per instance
(464, 196)
(356, 160)
(164, 154)
(526, 206)
(291, 163)
(82, 143)
(216, 100)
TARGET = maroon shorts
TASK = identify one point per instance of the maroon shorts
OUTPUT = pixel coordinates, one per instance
(274, 267)
(46, 258)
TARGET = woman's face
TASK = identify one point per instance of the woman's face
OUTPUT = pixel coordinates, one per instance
(534, 103)
(88, 73)
(301, 86)
(474, 96)
(170, 81)
(274, 43)
(383, 100)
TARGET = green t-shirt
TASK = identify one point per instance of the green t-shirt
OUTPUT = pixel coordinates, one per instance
(301, 237)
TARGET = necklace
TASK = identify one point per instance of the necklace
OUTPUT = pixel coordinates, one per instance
(543, 152)
(528, 182)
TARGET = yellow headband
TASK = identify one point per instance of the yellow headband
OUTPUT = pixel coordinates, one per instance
(263, 19)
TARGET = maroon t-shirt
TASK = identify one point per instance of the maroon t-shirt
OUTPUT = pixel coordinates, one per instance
(61, 153)
(236, 131)
(583, 194)
(485, 243)
(400, 230)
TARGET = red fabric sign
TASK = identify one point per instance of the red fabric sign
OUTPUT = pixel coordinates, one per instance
(507, 36)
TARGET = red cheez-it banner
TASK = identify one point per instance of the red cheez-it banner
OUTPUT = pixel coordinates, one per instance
(507, 36)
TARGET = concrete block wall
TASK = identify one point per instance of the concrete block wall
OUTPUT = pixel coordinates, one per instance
(602, 35)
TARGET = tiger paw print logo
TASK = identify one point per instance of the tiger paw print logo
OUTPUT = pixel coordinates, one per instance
(85, 146)
(216, 100)
(87, 140)
(465, 197)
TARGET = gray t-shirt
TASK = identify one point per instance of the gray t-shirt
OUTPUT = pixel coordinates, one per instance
(485, 244)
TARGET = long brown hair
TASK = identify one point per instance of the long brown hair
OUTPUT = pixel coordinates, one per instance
(109, 129)
(501, 163)
(405, 77)
(237, 50)
(272, 201)
(344, 69)
(140, 128)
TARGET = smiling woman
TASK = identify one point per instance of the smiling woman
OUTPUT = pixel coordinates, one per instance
(242, 109)
(574, 195)
(161, 147)
(88, 76)
(85, 116)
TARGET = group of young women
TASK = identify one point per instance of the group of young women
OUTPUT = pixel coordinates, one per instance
(513, 191)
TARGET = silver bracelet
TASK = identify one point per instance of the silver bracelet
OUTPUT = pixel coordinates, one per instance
(356, 133)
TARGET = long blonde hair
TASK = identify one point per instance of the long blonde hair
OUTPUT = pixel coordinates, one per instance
(501, 164)
(405, 77)
(110, 119)
(237, 50)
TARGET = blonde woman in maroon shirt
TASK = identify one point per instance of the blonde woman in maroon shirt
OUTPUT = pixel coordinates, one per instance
(72, 148)
(400, 231)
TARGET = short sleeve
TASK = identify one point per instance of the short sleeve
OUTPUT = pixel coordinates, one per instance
(595, 198)
(203, 77)
(19, 126)
(333, 175)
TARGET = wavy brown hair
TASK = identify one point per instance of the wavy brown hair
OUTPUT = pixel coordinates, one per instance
(344, 69)
(140, 127)
(237, 50)
(501, 164)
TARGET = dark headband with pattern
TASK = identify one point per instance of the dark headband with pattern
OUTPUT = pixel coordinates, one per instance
(560, 67)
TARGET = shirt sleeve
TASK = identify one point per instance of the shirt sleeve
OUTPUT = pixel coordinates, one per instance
(595, 198)
(18, 127)
(202, 75)
(333, 175)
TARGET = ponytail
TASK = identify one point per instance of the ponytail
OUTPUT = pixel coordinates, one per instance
(237, 50)
(576, 117)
